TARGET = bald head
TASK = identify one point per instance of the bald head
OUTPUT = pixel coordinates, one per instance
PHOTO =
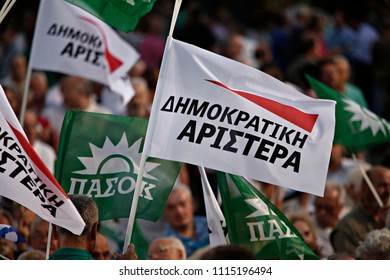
(380, 179)
(102, 249)
(167, 248)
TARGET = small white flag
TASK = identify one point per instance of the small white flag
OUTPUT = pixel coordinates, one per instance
(70, 40)
(26, 179)
(215, 219)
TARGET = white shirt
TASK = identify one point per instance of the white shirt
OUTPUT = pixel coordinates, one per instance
(46, 153)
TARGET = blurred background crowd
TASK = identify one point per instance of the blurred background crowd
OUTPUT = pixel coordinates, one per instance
(344, 44)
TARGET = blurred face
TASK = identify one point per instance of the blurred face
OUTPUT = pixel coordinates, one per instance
(179, 209)
(6, 246)
(380, 178)
(336, 155)
(327, 209)
(102, 249)
(330, 76)
(39, 87)
(304, 230)
(162, 249)
(24, 214)
(39, 236)
(70, 93)
(343, 69)
(12, 99)
(18, 68)
(30, 126)
(141, 97)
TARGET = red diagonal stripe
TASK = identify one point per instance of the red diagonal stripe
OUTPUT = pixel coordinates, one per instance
(113, 62)
(289, 113)
(36, 159)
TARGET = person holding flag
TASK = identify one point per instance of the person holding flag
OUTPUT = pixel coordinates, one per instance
(366, 216)
(80, 247)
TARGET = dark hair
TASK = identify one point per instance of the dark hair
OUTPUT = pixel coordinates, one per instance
(228, 252)
(88, 210)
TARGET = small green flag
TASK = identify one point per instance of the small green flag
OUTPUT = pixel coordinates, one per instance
(99, 155)
(255, 223)
(357, 128)
(120, 14)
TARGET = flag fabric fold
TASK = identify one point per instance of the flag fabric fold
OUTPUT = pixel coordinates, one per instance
(10, 233)
(120, 14)
(99, 155)
(357, 128)
(26, 179)
(81, 45)
(256, 224)
(215, 219)
(218, 113)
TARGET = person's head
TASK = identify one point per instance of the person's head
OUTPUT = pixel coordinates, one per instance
(39, 85)
(22, 214)
(167, 248)
(376, 246)
(336, 155)
(228, 252)
(329, 73)
(88, 210)
(101, 251)
(305, 226)
(18, 68)
(343, 67)
(12, 98)
(30, 125)
(32, 255)
(380, 179)
(6, 246)
(328, 207)
(39, 236)
(76, 92)
(338, 256)
(179, 208)
(140, 103)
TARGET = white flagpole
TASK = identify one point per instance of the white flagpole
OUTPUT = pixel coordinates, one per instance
(25, 94)
(6, 8)
(368, 181)
(150, 131)
(49, 240)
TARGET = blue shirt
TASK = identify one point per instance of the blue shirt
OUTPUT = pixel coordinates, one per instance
(192, 244)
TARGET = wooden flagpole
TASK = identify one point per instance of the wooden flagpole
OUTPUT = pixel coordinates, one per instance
(6, 8)
(368, 181)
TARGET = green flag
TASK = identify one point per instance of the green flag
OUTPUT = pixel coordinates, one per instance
(255, 223)
(120, 14)
(357, 128)
(99, 155)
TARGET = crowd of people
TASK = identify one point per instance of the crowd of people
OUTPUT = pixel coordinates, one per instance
(346, 49)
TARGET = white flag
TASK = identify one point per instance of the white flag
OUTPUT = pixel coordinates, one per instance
(218, 113)
(25, 178)
(215, 219)
(70, 40)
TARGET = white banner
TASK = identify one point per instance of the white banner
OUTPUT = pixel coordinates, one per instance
(25, 178)
(70, 40)
(215, 112)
